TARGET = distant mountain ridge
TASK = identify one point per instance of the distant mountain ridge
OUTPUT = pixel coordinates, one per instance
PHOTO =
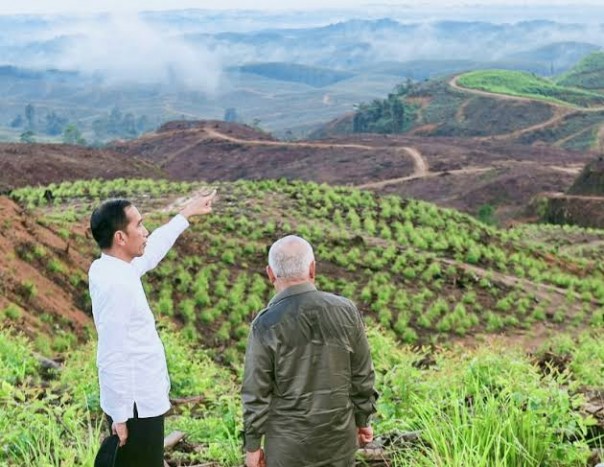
(288, 78)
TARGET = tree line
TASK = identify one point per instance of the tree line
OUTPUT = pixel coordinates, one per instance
(386, 116)
(110, 125)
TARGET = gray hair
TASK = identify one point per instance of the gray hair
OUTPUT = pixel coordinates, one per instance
(290, 258)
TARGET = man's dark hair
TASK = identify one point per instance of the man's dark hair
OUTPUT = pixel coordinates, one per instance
(107, 219)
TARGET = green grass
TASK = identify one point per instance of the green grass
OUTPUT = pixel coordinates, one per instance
(587, 74)
(489, 406)
(521, 84)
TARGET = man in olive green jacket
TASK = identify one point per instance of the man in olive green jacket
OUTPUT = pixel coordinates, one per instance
(308, 383)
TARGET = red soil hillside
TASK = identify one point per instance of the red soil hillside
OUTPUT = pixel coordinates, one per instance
(463, 173)
(33, 164)
(583, 203)
(33, 266)
(224, 151)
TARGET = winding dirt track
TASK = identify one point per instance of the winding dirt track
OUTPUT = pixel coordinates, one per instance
(419, 163)
(561, 111)
(421, 167)
(421, 170)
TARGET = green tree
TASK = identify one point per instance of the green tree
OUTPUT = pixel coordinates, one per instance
(27, 137)
(486, 214)
(17, 122)
(256, 124)
(54, 123)
(30, 116)
(72, 135)
(230, 115)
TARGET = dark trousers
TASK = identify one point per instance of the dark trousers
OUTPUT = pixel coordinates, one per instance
(145, 444)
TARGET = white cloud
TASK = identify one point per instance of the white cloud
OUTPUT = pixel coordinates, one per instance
(123, 48)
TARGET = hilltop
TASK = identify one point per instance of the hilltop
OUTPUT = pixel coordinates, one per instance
(290, 72)
(504, 105)
(462, 173)
(587, 74)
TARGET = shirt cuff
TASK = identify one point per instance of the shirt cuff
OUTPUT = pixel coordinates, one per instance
(252, 442)
(121, 415)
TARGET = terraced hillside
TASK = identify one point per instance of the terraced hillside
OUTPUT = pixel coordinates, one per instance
(505, 105)
(452, 307)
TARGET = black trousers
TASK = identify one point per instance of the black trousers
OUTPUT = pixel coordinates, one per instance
(145, 444)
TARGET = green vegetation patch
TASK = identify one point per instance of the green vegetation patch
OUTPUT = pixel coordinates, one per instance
(521, 84)
(312, 76)
(587, 74)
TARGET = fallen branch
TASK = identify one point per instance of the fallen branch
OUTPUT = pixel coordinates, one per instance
(47, 363)
(173, 439)
(188, 400)
(377, 453)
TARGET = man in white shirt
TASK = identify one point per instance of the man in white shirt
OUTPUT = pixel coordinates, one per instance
(133, 374)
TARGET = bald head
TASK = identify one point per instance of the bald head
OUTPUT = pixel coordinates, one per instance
(290, 258)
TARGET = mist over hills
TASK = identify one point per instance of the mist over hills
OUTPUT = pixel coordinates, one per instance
(288, 72)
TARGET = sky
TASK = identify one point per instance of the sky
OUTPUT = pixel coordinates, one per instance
(79, 6)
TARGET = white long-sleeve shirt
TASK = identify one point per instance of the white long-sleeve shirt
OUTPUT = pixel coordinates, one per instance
(131, 359)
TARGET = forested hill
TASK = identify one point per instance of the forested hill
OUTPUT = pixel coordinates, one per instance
(515, 106)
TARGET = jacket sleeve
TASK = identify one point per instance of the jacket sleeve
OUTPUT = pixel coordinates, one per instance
(256, 392)
(159, 243)
(363, 393)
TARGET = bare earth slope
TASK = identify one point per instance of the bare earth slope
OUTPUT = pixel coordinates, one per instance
(33, 164)
(455, 172)
(583, 203)
(222, 151)
(463, 173)
(33, 268)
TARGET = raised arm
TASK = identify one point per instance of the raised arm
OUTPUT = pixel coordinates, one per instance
(163, 238)
(159, 243)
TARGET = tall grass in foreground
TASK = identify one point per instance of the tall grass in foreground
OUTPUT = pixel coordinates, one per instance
(490, 431)
(487, 407)
(41, 426)
(491, 406)
(38, 433)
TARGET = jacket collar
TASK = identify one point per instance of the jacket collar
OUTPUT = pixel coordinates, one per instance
(293, 290)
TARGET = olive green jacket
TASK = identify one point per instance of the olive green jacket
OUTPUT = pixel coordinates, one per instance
(308, 379)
